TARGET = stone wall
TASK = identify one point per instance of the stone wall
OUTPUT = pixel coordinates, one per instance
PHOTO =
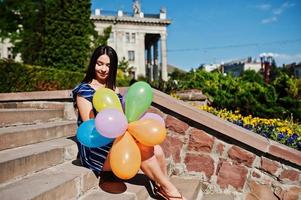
(224, 166)
(193, 96)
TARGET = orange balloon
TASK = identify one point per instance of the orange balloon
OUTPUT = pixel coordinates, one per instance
(148, 131)
(125, 157)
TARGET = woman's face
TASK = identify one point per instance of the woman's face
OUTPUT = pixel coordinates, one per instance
(102, 68)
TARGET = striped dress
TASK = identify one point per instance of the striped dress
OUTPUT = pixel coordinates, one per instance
(92, 158)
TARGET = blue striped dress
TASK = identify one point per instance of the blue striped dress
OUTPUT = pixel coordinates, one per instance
(92, 158)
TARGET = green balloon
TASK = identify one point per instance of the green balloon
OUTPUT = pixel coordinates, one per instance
(138, 99)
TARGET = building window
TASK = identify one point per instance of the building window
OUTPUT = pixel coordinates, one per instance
(127, 37)
(10, 53)
(131, 55)
(133, 39)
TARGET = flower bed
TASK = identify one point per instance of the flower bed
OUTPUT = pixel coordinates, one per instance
(284, 131)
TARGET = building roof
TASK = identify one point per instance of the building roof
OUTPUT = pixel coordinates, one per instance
(129, 19)
(172, 68)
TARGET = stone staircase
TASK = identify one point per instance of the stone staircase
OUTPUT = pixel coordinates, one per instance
(38, 159)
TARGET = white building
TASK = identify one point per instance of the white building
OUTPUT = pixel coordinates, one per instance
(237, 67)
(210, 67)
(139, 38)
(6, 49)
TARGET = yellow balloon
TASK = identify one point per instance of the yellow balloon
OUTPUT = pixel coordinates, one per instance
(148, 131)
(106, 98)
(125, 157)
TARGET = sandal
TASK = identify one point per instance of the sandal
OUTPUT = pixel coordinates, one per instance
(162, 193)
(154, 186)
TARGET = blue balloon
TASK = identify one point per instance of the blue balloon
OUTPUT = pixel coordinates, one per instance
(88, 136)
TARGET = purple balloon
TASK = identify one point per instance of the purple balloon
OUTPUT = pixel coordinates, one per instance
(153, 116)
(111, 123)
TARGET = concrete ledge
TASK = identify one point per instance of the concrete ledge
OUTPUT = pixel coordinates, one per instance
(33, 104)
(183, 109)
(37, 95)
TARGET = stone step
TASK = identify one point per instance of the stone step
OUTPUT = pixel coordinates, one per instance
(20, 161)
(69, 181)
(189, 187)
(34, 104)
(218, 196)
(9, 117)
(140, 188)
(99, 194)
(65, 181)
(16, 136)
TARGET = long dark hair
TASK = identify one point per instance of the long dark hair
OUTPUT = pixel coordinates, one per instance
(101, 50)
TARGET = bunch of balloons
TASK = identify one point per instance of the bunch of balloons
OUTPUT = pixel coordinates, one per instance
(125, 128)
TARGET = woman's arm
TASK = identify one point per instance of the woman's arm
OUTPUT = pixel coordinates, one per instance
(85, 108)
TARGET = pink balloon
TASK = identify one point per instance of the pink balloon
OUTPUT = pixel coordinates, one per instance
(153, 116)
(111, 123)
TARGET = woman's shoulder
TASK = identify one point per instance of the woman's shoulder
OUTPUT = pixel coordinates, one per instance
(82, 86)
(83, 89)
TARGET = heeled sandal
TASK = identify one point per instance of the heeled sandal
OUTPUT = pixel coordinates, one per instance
(162, 193)
(154, 186)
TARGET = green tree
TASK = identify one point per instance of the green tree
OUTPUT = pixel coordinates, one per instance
(103, 38)
(124, 65)
(252, 76)
(248, 93)
(176, 74)
(68, 33)
(53, 33)
(22, 22)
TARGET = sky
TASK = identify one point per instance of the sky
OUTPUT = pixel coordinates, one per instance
(218, 31)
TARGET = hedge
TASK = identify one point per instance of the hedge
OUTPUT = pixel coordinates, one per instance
(18, 77)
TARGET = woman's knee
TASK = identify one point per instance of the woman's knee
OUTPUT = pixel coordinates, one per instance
(106, 165)
(146, 151)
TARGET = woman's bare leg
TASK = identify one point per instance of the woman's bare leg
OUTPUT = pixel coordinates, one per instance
(154, 166)
(106, 165)
(151, 168)
(158, 151)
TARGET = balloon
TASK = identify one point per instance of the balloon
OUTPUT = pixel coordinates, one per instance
(106, 98)
(139, 97)
(125, 157)
(111, 123)
(153, 116)
(147, 131)
(88, 136)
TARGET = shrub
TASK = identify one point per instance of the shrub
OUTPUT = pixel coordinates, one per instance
(17, 77)
(248, 93)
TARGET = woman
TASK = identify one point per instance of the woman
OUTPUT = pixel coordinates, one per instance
(102, 73)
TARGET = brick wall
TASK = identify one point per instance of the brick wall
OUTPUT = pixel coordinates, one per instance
(223, 164)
